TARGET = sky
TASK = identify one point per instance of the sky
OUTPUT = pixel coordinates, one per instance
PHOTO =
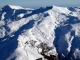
(40, 3)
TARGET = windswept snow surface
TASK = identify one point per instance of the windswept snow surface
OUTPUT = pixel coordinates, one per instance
(28, 34)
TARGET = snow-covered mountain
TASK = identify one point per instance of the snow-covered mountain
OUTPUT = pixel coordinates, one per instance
(50, 33)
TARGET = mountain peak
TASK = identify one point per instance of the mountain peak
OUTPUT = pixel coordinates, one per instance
(6, 7)
(45, 33)
(9, 7)
(63, 10)
(15, 7)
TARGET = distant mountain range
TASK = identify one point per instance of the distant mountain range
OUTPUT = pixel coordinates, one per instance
(47, 33)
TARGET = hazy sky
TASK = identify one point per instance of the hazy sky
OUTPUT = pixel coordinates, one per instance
(38, 3)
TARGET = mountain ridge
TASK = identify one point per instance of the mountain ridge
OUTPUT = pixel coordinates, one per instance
(45, 33)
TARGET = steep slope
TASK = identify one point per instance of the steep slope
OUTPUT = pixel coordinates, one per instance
(50, 33)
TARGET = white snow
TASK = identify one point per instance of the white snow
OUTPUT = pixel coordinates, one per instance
(61, 9)
(2, 32)
(15, 25)
(15, 7)
(76, 28)
(20, 15)
(43, 31)
(3, 15)
(2, 23)
(69, 39)
(19, 7)
(77, 53)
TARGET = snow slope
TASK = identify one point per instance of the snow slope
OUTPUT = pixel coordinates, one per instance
(27, 34)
